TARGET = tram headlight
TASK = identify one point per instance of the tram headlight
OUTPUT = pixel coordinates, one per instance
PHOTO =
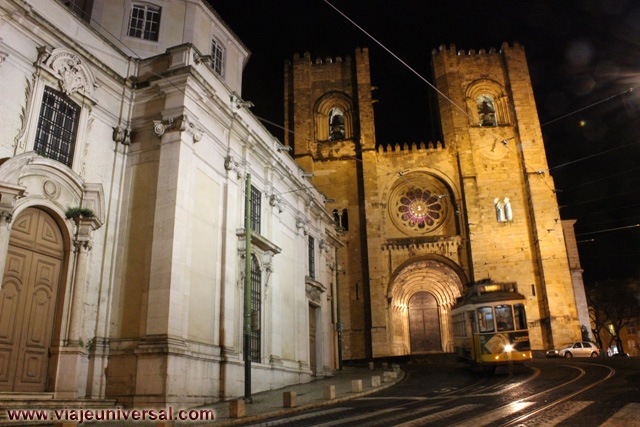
(508, 348)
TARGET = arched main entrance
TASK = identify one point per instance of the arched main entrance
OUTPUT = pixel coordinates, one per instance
(28, 300)
(421, 293)
(424, 323)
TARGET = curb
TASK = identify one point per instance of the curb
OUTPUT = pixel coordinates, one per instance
(306, 407)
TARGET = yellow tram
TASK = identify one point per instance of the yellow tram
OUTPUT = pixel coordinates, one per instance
(490, 325)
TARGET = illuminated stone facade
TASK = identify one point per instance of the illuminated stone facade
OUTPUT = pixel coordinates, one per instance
(139, 296)
(431, 218)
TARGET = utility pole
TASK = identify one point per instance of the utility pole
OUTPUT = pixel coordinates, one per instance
(247, 293)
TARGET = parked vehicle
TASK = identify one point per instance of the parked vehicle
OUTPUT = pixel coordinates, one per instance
(575, 349)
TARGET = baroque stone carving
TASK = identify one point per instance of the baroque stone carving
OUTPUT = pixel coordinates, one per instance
(313, 292)
(71, 71)
(182, 123)
(24, 112)
(122, 135)
(276, 201)
(302, 224)
(231, 164)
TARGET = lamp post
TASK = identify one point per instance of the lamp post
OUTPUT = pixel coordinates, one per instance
(247, 293)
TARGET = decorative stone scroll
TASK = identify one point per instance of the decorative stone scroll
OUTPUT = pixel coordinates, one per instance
(302, 224)
(70, 69)
(276, 202)
(122, 135)
(182, 123)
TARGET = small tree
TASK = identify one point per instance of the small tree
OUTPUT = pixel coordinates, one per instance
(616, 303)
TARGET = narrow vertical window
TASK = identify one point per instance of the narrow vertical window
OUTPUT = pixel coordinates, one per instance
(217, 57)
(312, 259)
(256, 307)
(256, 203)
(345, 219)
(144, 22)
(57, 127)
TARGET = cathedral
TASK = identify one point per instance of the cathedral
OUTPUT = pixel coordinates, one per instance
(419, 222)
(131, 171)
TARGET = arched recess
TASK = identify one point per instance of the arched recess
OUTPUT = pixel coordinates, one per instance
(435, 275)
(323, 108)
(494, 91)
(29, 182)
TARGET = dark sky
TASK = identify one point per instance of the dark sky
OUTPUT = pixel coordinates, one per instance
(579, 53)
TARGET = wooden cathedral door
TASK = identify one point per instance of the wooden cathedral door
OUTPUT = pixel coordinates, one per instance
(28, 301)
(424, 323)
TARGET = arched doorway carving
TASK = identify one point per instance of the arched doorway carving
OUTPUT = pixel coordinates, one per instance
(421, 294)
(28, 300)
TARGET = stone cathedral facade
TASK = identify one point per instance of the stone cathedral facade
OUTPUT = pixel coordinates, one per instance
(421, 221)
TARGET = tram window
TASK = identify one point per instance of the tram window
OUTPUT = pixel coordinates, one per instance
(485, 319)
(472, 318)
(504, 318)
(521, 318)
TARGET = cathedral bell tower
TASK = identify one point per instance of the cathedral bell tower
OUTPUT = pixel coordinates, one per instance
(490, 120)
(329, 123)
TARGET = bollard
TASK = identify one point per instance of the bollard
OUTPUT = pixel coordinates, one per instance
(356, 386)
(329, 392)
(371, 366)
(289, 399)
(236, 408)
(385, 365)
(375, 381)
(386, 377)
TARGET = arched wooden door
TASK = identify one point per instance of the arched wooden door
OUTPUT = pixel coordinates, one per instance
(28, 300)
(424, 323)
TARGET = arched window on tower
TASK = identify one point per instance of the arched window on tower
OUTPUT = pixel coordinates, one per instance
(336, 124)
(345, 219)
(486, 110)
(336, 217)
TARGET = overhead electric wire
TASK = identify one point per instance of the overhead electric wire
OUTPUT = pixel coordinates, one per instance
(592, 155)
(602, 179)
(599, 199)
(609, 229)
(631, 89)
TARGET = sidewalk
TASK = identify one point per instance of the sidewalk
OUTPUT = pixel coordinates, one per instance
(269, 404)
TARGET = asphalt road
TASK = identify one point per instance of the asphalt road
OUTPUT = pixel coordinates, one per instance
(576, 392)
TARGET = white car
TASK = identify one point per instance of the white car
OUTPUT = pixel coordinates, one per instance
(575, 349)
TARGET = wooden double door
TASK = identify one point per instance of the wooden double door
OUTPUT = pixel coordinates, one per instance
(424, 323)
(28, 301)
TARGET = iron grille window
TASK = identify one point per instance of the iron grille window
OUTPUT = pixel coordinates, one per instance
(57, 127)
(217, 57)
(256, 202)
(312, 259)
(144, 22)
(256, 304)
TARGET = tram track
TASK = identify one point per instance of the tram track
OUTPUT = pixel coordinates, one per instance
(547, 406)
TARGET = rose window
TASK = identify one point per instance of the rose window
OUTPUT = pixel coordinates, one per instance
(418, 209)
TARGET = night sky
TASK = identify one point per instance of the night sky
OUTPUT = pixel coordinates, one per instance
(579, 53)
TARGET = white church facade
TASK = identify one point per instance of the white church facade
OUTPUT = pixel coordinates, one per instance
(124, 150)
